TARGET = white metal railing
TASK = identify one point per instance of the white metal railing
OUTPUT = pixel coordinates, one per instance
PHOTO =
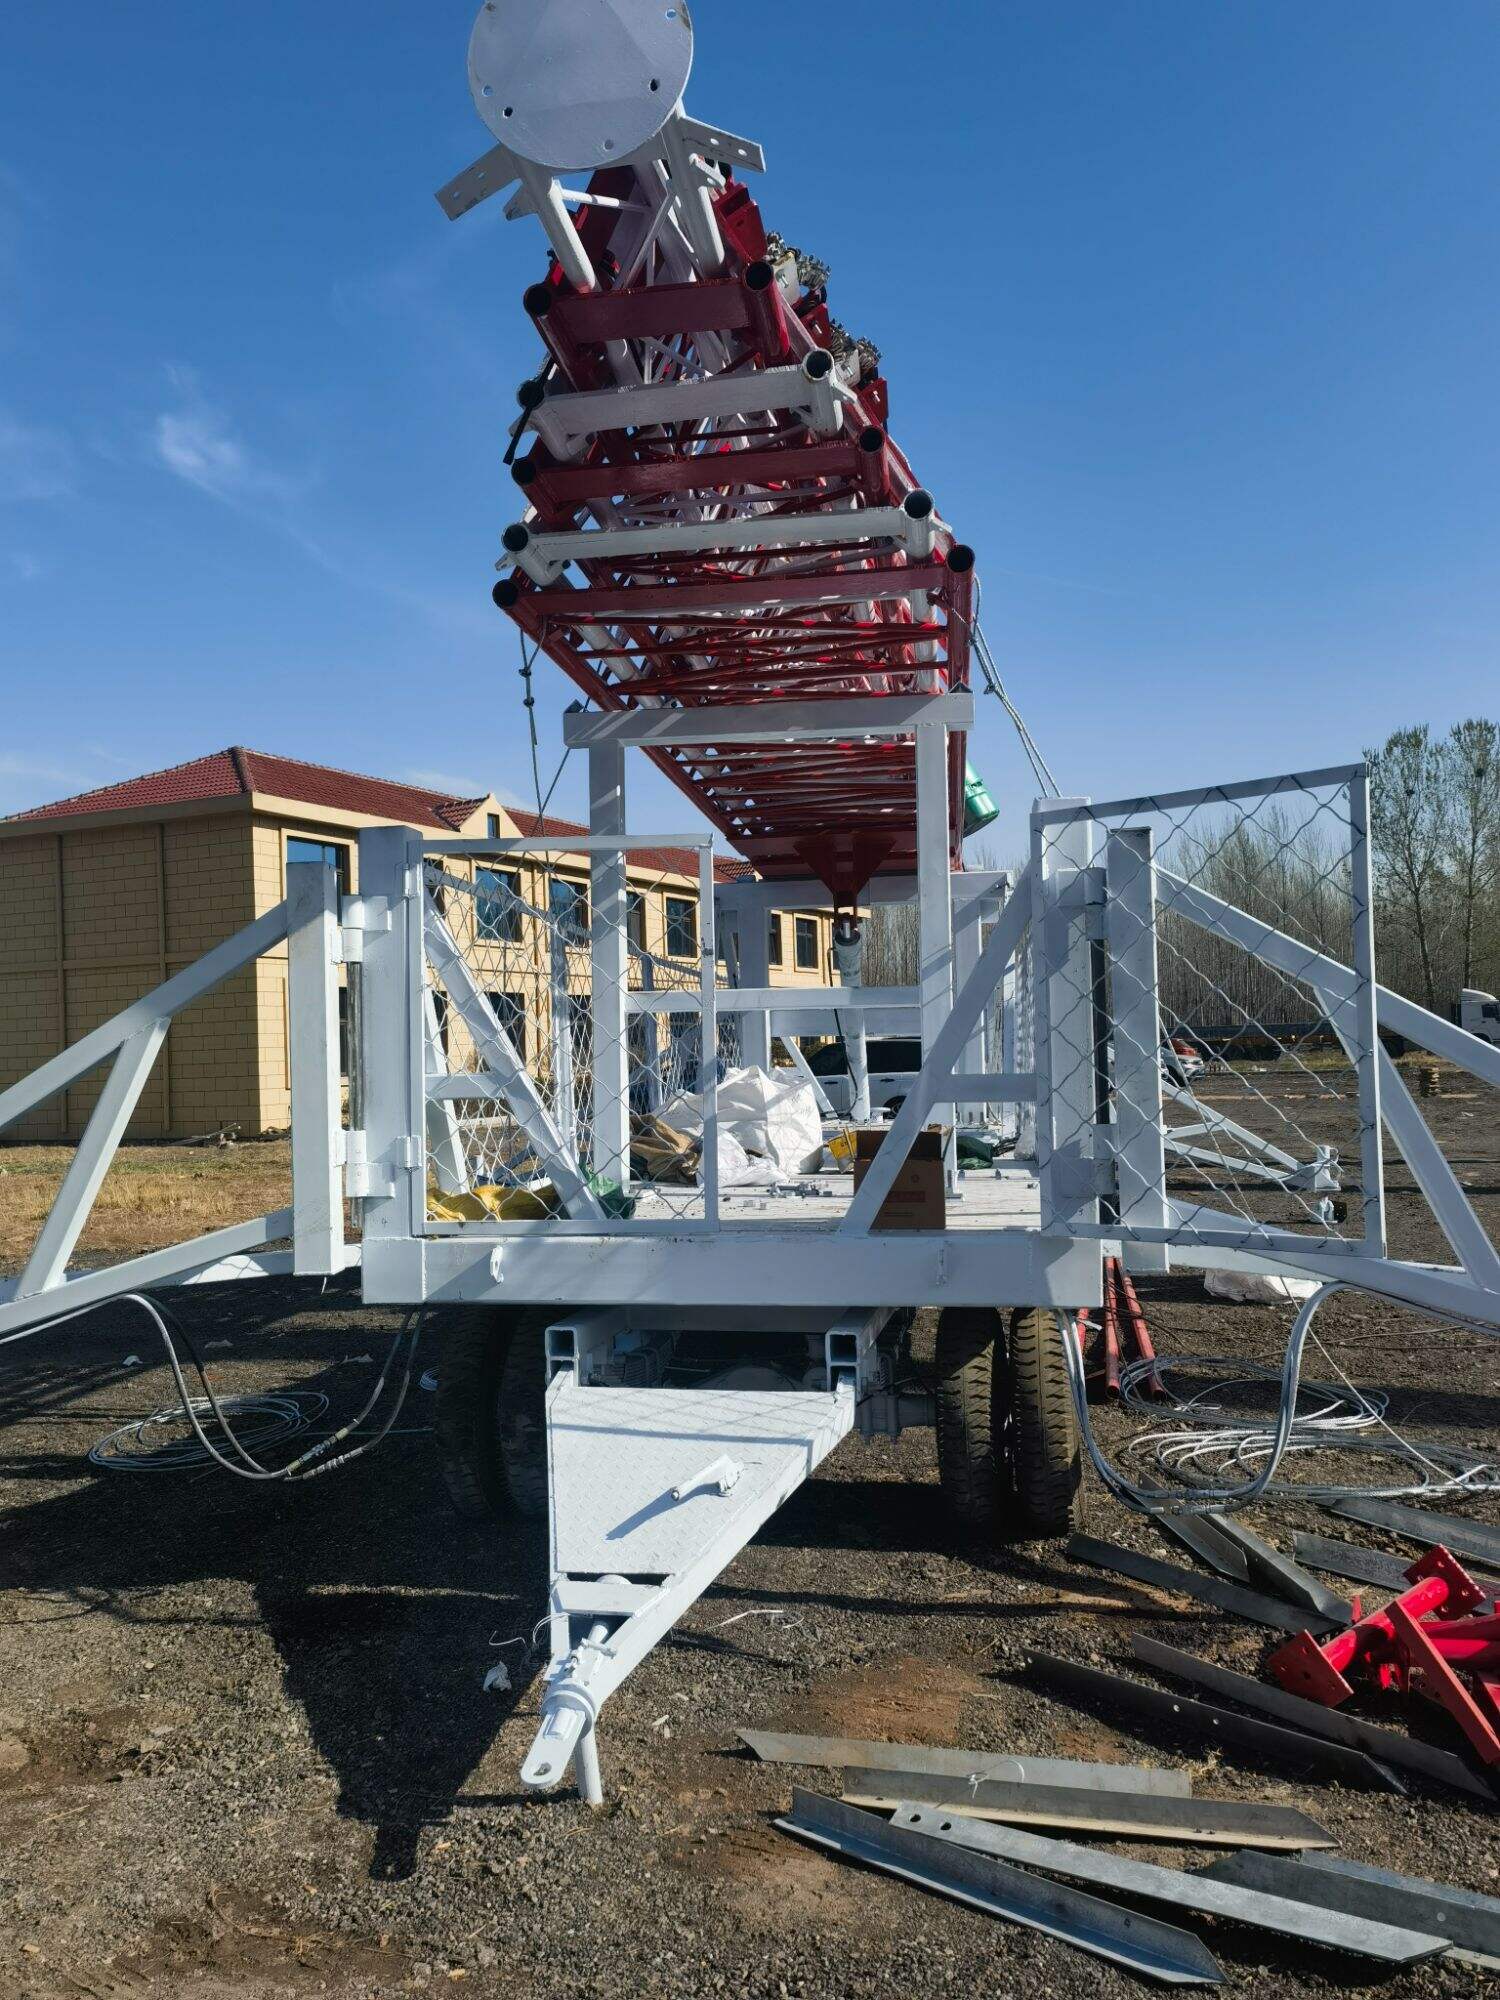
(308, 921)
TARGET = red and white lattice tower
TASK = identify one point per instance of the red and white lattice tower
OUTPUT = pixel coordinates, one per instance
(715, 512)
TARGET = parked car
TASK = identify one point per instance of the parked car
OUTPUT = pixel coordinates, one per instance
(893, 1061)
(1181, 1061)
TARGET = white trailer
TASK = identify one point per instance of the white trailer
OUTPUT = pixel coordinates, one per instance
(654, 1360)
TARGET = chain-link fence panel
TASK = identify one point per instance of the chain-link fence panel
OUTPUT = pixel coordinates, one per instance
(529, 1089)
(1209, 1010)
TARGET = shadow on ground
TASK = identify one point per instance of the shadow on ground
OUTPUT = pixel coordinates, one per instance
(380, 1600)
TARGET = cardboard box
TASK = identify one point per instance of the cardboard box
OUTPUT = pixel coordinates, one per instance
(916, 1199)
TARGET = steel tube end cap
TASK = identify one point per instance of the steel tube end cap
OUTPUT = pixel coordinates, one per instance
(517, 538)
(960, 559)
(506, 594)
(917, 506)
(817, 366)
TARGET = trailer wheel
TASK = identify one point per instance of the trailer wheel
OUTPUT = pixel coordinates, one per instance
(1045, 1459)
(970, 1361)
(490, 1419)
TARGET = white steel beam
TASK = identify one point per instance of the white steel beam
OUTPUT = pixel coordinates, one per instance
(544, 555)
(609, 950)
(1140, 1155)
(934, 898)
(59, 1234)
(499, 1053)
(565, 422)
(934, 1077)
(138, 1274)
(169, 998)
(779, 722)
(314, 947)
(788, 1000)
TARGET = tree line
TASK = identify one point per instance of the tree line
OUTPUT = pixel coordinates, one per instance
(1435, 863)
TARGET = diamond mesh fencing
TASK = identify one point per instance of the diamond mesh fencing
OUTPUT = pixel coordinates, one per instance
(1209, 1014)
(519, 1070)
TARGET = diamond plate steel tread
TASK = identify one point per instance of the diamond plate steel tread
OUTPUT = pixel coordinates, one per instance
(1142, 1816)
(616, 1454)
(1201, 1891)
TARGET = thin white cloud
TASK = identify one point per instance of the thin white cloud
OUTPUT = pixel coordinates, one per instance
(448, 783)
(31, 781)
(22, 566)
(36, 461)
(198, 443)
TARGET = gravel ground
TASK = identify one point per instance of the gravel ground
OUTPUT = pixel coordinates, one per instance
(244, 1748)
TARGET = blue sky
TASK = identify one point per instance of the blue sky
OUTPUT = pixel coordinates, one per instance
(1189, 309)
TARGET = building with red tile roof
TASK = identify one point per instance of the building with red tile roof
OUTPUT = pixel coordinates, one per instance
(105, 893)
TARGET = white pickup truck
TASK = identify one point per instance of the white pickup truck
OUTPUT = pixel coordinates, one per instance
(1480, 1014)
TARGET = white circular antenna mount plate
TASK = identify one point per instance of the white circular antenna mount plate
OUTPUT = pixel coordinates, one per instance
(571, 84)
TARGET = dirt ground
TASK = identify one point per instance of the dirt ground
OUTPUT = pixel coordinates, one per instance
(245, 1750)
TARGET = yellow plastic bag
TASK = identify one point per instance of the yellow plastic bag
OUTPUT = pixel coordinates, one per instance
(493, 1204)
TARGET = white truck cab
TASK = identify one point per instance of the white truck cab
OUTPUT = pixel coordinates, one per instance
(1480, 1014)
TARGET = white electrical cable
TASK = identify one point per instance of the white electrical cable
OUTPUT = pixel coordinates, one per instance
(1259, 1448)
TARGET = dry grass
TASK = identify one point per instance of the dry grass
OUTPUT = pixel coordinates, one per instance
(151, 1197)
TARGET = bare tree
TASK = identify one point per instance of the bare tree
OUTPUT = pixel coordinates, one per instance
(1475, 830)
(1408, 811)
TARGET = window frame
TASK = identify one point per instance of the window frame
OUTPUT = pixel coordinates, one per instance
(510, 881)
(675, 906)
(801, 927)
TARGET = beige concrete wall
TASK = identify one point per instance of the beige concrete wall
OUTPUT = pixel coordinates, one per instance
(32, 1021)
(91, 918)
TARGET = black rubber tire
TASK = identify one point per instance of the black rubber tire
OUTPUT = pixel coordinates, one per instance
(521, 1414)
(489, 1422)
(1044, 1456)
(970, 1368)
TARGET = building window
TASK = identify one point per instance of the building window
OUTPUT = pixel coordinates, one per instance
(635, 918)
(440, 1014)
(682, 927)
(492, 826)
(510, 1012)
(332, 853)
(569, 904)
(807, 944)
(497, 905)
(775, 938)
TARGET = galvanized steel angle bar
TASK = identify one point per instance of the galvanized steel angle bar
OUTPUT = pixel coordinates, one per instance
(1387, 1746)
(1143, 1944)
(1116, 1815)
(1215, 1725)
(847, 1752)
(1380, 1896)
(1204, 1892)
(1251, 1604)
